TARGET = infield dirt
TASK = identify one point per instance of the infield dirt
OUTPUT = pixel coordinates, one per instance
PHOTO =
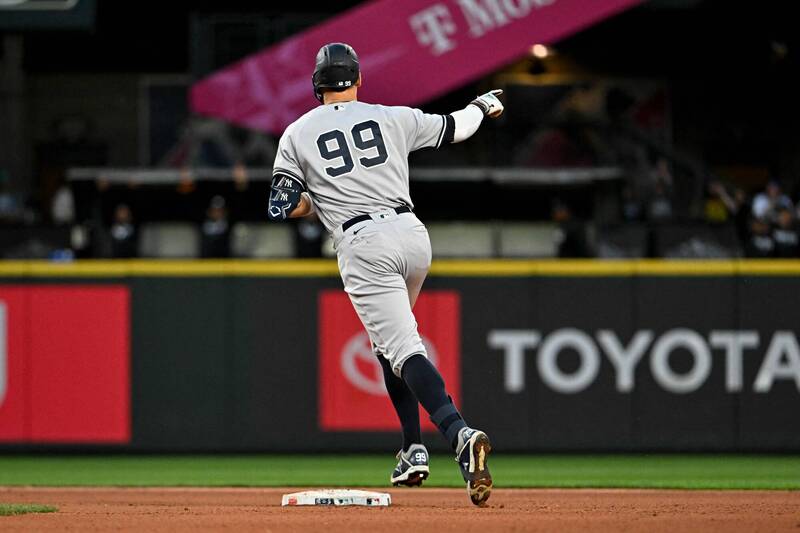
(417, 510)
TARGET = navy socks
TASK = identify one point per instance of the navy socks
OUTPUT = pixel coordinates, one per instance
(428, 386)
(405, 404)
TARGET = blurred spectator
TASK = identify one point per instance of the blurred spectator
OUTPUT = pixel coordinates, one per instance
(785, 234)
(741, 215)
(308, 237)
(659, 209)
(215, 232)
(81, 240)
(715, 209)
(760, 244)
(10, 209)
(721, 207)
(241, 181)
(62, 210)
(631, 206)
(571, 235)
(659, 204)
(661, 173)
(186, 182)
(124, 237)
(767, 203)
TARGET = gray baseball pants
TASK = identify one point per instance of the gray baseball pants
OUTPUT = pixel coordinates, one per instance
(383, 263)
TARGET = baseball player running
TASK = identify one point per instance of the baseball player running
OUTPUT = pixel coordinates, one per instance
(348, 161)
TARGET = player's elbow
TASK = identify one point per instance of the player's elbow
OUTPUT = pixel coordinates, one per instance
(304, 208)
(285, 197)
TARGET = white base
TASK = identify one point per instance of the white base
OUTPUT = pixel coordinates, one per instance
(338, 497)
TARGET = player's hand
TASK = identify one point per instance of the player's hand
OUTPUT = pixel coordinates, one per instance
(491, 106)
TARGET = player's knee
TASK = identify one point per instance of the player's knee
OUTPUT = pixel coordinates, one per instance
(401, 353)
(400, 365)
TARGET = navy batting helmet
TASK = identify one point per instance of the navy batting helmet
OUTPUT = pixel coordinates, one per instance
(336, 68)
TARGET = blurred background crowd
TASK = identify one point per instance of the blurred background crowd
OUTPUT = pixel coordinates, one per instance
(668, 131)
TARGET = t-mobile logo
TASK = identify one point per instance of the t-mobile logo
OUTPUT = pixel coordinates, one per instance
(3, 353)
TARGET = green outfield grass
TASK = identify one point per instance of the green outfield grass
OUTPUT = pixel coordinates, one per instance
(8, 509)
(628, 471)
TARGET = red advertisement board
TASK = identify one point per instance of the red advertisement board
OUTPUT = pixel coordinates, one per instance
(64, 364)
(352, 394)
(14, 373)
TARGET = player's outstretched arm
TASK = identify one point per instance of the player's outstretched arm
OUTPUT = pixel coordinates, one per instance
(468, 120)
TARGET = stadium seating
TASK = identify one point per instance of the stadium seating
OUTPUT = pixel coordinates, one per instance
(462, 239)
(527, 240)
(262, 241)
(169, 240)
(626, 241)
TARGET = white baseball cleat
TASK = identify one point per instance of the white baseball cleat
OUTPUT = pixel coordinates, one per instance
(412, 466)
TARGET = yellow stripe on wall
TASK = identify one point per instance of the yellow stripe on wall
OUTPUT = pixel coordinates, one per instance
(168, 268)
(444, 268)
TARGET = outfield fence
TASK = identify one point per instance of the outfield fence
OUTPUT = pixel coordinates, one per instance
(545, 355)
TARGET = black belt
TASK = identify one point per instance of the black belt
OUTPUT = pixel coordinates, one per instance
(361, 218)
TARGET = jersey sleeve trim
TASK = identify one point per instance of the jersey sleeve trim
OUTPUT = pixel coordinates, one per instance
(449, 129)
(289, 173)
(441, 133)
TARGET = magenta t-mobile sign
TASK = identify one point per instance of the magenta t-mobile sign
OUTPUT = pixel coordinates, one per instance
(410, 52)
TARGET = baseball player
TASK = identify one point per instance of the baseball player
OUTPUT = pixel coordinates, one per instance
(348, 162)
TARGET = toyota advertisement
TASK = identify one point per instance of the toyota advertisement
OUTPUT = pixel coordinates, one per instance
(646, 363)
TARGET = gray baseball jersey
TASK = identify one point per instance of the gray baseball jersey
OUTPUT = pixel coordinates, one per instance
(352, 157)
